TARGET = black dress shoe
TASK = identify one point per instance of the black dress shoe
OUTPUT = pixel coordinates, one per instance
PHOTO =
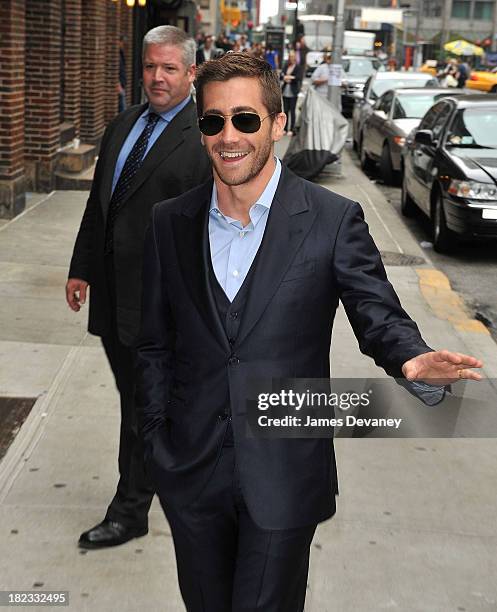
(109, 533)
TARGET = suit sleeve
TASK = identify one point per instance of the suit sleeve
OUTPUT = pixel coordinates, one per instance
(81, 260)
(155, 343)
(383, 329)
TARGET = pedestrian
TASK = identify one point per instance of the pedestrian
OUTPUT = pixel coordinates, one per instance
(462, 73)
(262, 259)
(291, 77)
(150, 152)
(321, 76)
(271, 57)
(121, 85)
(207, 50)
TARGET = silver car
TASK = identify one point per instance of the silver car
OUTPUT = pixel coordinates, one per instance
(393, 116)
(377, 84)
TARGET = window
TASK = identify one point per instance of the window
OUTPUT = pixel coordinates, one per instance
(386, 103)
(461, 9)
(483, 10)
(432, 9)
(435, 118)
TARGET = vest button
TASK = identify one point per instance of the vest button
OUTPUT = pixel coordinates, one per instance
(223, 416)
(233, 360)
(232, 341)
(234, 315)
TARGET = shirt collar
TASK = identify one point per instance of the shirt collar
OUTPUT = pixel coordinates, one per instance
(266, 197)
(169, 115)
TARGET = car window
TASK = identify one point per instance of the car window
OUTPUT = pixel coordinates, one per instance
(441, 119)
(366, 86)
(474, 128)
(361, 66)
(412, 107)
(386, 103)
(432, 115)
(380, 86)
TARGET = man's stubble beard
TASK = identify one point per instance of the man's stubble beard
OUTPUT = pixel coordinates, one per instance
(258, 163)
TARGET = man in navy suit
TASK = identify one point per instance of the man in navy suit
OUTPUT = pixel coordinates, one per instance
(242, 278)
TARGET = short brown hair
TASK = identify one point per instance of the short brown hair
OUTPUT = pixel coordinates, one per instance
(232, 65)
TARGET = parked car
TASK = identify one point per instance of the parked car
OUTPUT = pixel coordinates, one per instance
(394, 115)
(377, 84)
(483, 80)
(450, 169)
(355, 71)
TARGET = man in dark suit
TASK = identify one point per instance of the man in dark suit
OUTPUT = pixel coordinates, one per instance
(242, 278)
(148, 153)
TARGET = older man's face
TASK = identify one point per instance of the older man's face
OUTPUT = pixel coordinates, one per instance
(166, 80)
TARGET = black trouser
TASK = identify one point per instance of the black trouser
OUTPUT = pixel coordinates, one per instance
(289, 105)
(225, 562)
(134, 494)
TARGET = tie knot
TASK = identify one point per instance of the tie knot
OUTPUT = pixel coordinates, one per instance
(152, 118)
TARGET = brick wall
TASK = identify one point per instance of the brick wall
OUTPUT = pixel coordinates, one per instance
(127, 30)
(43, 69)
(93, 60)
(72, 63)
(113, 32)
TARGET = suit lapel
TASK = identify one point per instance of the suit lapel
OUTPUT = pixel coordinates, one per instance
(289, 222)
(191, 238)
(114, 147)
(171, 138)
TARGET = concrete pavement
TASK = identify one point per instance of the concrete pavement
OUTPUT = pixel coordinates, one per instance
(415, 528)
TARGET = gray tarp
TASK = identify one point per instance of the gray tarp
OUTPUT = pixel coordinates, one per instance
(320, 137)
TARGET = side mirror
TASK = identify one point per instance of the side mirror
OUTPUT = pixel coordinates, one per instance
(380, 113)
(424, 137)
(358, 96)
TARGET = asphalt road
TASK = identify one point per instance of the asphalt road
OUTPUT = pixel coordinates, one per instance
(471, 269)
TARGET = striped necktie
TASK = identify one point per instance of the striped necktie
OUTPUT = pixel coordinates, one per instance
(130, 168)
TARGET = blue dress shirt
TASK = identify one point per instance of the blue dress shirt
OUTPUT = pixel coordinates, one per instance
(164, 120)
(234, 247)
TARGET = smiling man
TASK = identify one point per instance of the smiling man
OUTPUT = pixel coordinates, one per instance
(149, 152)
(242, 278)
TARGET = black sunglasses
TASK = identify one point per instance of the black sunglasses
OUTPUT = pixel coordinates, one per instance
(248, 123)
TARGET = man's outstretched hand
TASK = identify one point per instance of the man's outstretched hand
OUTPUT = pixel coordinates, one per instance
(76, 293)
(441, 368)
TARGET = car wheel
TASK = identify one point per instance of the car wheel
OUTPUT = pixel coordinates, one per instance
(407, 204)
(387, 172)
(443, 237)
(367, 164)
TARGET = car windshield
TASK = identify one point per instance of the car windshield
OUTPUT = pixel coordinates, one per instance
(363, 66)
(412, 107)
(475, 128)
(380, 86)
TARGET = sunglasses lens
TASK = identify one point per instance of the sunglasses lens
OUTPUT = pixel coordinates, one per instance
(248, 123)
(210, 125)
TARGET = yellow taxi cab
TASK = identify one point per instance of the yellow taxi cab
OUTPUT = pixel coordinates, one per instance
(483, 80)
(430, 66)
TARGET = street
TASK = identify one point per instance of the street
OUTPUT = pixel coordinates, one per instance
(470, 269)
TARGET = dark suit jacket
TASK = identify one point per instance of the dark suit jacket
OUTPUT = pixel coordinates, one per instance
(316, 251)
(176, 163)
(298, 73)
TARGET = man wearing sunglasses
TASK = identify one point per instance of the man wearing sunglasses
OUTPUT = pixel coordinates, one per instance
(242, 278)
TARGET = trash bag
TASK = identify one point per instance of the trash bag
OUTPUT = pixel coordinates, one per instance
(320, 138)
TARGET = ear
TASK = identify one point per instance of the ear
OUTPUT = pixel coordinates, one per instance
(191, 72)
(202, 139)
(278, 126)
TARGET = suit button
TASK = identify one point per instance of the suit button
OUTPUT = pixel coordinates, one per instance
(234, 315)
(233, 360)
(232, 341)
(223, 416)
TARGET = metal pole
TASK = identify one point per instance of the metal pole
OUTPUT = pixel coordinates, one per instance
(296, 23)
(419, 15)
(494, 29)
(335, 89)
(404, 40)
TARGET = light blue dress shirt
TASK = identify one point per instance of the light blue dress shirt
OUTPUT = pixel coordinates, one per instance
(140, 124)
(234, 247)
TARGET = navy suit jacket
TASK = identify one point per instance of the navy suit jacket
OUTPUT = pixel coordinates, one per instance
(316, 251)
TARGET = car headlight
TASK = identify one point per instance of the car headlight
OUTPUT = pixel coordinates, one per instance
(473, 190)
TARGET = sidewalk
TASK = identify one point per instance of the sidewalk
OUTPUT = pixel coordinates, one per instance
(415, 528)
